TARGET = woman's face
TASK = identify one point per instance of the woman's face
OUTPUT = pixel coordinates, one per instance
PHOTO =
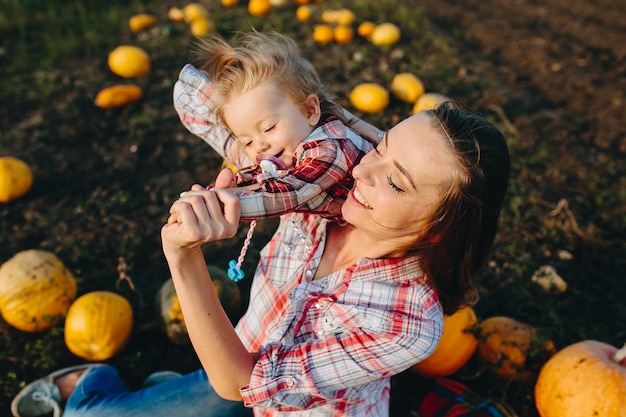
(398, 184)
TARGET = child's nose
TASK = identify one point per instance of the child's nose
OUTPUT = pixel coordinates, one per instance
(262, 146)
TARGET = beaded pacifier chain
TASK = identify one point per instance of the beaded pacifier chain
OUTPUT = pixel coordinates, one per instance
(268, 163)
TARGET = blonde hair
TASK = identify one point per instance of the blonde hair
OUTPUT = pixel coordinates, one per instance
(252, 58)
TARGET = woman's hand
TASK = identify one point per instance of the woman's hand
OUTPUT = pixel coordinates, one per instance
(200, 216)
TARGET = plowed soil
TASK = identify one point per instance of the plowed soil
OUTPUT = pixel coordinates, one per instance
(572, 52)
(560, 67)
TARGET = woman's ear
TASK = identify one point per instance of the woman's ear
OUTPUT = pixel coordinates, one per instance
(435, 239)
(313, 109)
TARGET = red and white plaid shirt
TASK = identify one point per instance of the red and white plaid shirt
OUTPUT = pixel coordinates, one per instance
(322, 174)
(328, 347)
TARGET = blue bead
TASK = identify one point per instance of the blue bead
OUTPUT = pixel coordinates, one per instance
(234, 273)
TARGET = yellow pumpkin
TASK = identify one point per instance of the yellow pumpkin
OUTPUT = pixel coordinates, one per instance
(385, 34)
(304, 13)
(129, 61)
(259, 7)
(456, 347)
(407, 87)
(141, 21)
(343, 34)
(505, 343)
(369, 97)
(323, 34)
(584, 379)
(279, 3)
(98, 325)
(193, 11)
(338, 16)
(118, 96)
(345, 17)
(201, 27)
(35, 290)
(428, 101)
(16, 178)
(365, 29)
(176, 14)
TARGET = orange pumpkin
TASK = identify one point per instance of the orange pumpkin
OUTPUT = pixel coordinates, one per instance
(456, 347)
(505, 343)
(141, 21)
(587, 378)
(118, 96)
(16, 178)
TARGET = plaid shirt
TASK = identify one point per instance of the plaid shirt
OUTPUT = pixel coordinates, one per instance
(328, 347)
(322, 174)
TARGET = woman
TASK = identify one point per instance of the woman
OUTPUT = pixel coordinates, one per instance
(335, 310)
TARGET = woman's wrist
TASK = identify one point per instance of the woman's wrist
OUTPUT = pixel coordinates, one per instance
(180, 255)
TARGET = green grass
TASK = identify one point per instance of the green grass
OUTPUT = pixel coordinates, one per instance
(105, 179)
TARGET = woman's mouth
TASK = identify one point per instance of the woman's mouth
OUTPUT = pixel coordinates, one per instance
(359, 198)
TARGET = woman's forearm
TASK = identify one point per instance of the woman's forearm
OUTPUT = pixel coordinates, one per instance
(226, 361)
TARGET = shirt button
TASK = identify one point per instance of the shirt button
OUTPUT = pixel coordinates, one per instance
(308, 273)
(289, 383)
(320, 332)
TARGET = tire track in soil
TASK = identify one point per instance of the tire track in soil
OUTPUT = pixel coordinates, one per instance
(571, 51)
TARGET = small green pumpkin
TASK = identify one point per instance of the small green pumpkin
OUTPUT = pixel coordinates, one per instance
(170, 315)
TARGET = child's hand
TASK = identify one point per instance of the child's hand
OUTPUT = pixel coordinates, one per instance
(201, 216)
(174, 218)
(225, 179)
(370, 132)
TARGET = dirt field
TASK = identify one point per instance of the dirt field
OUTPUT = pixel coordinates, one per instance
(571, 52)
(564, 66)
(105, 179)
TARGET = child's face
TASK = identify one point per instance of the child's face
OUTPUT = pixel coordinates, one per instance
(266, 121)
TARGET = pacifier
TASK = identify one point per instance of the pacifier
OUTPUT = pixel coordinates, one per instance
(269, 163)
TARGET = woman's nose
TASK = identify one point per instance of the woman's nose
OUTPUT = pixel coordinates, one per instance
(363, 170)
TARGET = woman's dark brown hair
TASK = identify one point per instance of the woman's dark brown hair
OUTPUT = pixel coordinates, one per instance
(463, 227)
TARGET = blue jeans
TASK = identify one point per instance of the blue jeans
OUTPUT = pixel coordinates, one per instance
(101, 393)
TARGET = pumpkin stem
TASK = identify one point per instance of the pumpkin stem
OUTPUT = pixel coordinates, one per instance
(620, 355)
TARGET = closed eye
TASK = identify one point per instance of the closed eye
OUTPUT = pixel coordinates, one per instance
(394, 186)
(270, 129)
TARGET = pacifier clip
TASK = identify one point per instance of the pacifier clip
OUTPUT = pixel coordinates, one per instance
(267, 163)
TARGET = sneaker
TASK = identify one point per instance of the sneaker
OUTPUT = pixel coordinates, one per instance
(43, 397)
(158, 377)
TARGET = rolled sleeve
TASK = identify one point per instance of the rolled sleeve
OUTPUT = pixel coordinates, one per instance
(321, 175)
(193, 101)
